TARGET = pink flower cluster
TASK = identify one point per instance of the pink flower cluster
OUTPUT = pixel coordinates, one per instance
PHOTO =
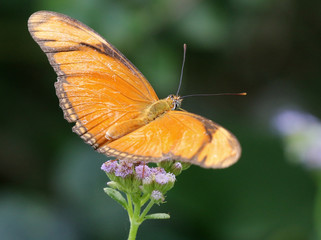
(123, 168)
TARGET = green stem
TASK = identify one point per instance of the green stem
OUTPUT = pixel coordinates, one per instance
(144, 199)
(133, 229)
(129, 205)
(146, 210)
(134, 221)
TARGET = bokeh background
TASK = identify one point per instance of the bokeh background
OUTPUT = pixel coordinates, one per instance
(51, 182)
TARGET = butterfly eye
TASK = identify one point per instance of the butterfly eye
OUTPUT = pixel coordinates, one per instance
(171, 97)
(175, 105)
(173, 101)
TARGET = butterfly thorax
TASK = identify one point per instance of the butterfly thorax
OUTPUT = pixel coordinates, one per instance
(162, 106)
(150, 113)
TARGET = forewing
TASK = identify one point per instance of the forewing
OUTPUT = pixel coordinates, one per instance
(181, 136)
(97, 86)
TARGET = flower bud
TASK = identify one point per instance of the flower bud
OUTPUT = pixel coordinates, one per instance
(166, 165)
(148, 184)
(113, 185)
(185, 165)
(176, 168)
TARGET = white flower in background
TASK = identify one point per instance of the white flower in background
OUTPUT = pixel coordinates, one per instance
(301, 133)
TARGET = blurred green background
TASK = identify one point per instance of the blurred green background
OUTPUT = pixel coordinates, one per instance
(51, 182)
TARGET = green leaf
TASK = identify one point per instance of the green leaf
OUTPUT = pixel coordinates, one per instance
(157, 216)
(116, 195)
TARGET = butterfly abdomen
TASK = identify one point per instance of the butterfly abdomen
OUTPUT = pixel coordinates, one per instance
(152, 112)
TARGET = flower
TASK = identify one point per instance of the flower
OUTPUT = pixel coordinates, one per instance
(171, 177)
(142, 171)
(140, 183)
(124, 169)
(148, 180)
(157, 196)
(301, 133)
(157, 170)
(289, 122)
(164, 182)
(109, 166)
(161, 178)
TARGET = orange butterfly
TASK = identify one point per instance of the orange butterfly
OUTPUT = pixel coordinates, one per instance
(115, 108)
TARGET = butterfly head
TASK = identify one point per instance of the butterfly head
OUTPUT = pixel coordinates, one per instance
(175, 101)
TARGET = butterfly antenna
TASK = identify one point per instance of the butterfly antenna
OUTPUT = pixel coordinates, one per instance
(214, 94)
(181, 78)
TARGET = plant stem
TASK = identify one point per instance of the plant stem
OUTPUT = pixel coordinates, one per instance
(146, 210)
(134, 219)
(129, 205)
(144, 199)
(133, 229)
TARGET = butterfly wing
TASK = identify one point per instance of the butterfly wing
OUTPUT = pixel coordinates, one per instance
(178, 135)
(97, 86)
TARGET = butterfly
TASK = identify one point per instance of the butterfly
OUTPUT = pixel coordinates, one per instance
(114, 107)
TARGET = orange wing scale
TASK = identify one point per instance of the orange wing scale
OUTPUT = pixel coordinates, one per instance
(103, 92)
